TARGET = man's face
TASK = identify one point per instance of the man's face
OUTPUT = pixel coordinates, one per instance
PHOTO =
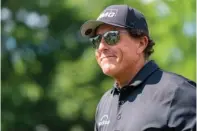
(116, 59)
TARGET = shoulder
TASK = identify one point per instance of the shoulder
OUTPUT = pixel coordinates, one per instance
(184, 90)
(166, 86)
(105, 98)
(177, 79)
(180, 91)
(178, 83)
(182, 109)
(164, 80)
(177, 95)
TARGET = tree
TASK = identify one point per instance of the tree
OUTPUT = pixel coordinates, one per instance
(50, 79)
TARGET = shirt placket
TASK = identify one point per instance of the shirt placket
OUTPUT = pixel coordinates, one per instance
(119, 104)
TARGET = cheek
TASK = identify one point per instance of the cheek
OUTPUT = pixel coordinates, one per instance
(128, 54)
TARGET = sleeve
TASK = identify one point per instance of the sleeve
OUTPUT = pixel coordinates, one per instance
(182, 111)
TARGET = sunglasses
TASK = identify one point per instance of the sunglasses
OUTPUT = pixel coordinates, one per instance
(110, 37)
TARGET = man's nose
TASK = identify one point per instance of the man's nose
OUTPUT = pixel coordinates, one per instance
(103, 45)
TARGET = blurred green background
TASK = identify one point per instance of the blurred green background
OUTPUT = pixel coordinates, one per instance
(50, 78)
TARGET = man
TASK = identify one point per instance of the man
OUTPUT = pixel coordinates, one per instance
(144, 97)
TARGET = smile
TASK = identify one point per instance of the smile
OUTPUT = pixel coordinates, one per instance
(106, 57)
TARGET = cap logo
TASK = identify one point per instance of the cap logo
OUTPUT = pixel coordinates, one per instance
(108, 13)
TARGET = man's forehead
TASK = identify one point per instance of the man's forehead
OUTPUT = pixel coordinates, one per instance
(105, 27)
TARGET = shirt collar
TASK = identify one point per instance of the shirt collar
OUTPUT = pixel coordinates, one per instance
(140, 77)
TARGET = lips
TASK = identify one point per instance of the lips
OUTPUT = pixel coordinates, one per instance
(105, 57)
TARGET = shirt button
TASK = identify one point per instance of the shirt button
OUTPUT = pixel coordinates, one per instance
(118, 117)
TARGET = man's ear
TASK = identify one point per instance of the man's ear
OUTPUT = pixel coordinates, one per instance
(143, 42)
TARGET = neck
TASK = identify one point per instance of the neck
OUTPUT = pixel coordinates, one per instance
(128, 74)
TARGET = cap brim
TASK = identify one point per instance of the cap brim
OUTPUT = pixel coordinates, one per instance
(88, 28)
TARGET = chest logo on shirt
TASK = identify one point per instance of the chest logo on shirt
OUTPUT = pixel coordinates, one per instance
(104, 120)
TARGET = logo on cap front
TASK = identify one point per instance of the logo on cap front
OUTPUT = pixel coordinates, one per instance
(108, 13)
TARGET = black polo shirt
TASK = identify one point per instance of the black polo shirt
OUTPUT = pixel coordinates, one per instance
(154, 100)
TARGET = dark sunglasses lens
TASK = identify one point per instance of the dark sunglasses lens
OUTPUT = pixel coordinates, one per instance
(111, 37)
(96, 41)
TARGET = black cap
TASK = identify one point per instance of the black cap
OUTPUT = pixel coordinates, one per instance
(117, 15)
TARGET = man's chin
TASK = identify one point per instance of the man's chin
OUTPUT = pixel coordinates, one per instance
(109, 71)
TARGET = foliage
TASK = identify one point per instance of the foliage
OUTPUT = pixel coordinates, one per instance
(50, 79)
